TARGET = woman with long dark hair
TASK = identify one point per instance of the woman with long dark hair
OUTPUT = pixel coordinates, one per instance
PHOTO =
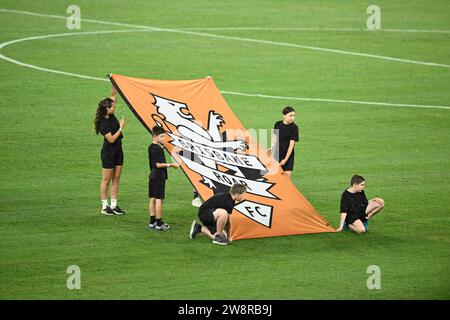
(111, 154)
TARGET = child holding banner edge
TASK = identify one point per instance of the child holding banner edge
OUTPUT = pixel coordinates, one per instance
(215, 215)
(111, 153)
(356, 210)
(157, 179)
(284, 139)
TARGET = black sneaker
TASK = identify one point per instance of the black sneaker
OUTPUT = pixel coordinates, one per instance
(118, 211)
(226, 238)
(152, 225)
(107, 211)
(195, 229)
(220, 240)
(162, 227)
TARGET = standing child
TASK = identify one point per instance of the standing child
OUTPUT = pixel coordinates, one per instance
(111, 154)
(157, 179)
(284, 139)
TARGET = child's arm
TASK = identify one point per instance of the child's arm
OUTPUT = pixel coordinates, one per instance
(341, 223)
(111, 138)
(167, 165)
(113, 95)
(289, 152)
(113, 92)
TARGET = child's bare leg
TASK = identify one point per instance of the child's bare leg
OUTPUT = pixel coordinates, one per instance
(221, 217)
(357, 226)
(158, 208)
(206, 232)
(226, 230)
(374, 206)
(288, 173)
(151, 207)
(107, 175)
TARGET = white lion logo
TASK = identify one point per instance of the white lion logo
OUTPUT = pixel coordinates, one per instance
(178, 115)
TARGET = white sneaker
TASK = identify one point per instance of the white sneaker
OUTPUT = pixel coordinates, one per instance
(162, 227)
(197, 202)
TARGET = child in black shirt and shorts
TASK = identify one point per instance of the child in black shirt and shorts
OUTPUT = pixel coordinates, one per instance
(111, 154)
(215, 215)
(356, 210)
(157, 179)
(284, 139)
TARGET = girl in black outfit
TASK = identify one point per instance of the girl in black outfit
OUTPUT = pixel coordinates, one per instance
(111, 154)
(284, 139)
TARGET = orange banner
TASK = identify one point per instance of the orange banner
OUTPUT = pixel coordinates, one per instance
(214, 150)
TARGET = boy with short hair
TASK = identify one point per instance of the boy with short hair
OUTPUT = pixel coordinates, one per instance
(157, 179)
(215, 215)
(356, 210)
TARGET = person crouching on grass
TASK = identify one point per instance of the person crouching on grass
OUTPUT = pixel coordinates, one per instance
(215, 215)
(355, 209)
(157, 179)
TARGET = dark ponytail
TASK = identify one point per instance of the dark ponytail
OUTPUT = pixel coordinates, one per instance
(102, 112)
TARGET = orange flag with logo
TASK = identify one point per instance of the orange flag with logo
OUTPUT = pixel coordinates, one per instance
(214, 150)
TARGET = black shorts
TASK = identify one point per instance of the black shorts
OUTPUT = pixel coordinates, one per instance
(289, 165)
(111, 157)
(156, 188)
(350, 219)
(207, 218)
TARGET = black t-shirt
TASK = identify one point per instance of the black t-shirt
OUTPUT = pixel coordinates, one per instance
(156, 155)
(219, 201)
(110, 125)
(354, 204)
(286, 133)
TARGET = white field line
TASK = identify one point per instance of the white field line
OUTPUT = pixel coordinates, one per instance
(311, 29)
(210, 35)
(4, 44)
(337, 101)
(240, 28)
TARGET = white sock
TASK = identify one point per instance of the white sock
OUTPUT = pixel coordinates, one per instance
(113, 203)
(104, 204)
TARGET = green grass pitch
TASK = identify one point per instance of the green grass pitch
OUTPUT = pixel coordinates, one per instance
(50, 156)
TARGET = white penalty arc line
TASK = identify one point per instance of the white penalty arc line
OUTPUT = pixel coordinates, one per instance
(48, 36)
(259, 41)
(5, 44)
